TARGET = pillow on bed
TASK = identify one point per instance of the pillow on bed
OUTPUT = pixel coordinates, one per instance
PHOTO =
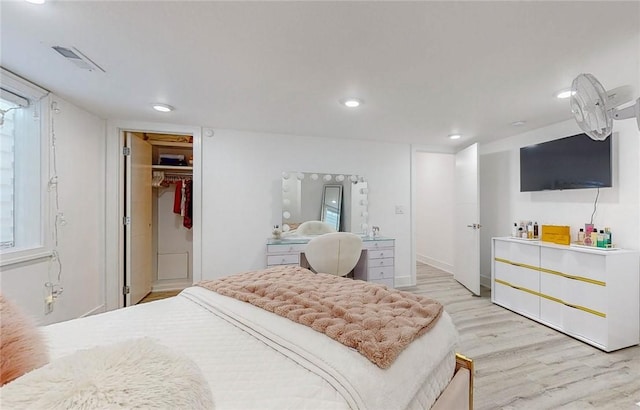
(135, 374)
(22, 347)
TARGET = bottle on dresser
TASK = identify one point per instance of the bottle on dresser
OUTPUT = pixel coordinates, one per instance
(607, 238)
(594, 237)
(581, 236)
(600, 242)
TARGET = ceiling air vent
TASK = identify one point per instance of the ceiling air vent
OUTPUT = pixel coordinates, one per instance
(76, 57)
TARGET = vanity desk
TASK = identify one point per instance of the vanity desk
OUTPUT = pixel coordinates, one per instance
(376, 263)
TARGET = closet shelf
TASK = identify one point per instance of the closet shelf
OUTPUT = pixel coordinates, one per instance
(171, 144)
(172, 167)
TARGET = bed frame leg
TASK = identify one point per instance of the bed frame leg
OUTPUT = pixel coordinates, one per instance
(466, 363)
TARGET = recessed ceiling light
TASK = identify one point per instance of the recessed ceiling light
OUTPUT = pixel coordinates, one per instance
(518, 123)
(455, 136)
(351, 102)
(35, 1)
(565, 94)
(163, 107)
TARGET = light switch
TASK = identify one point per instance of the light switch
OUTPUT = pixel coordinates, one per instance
(399, 209)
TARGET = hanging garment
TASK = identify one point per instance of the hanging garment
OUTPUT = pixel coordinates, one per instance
(177, 200)
(183, 199)
(187, 222)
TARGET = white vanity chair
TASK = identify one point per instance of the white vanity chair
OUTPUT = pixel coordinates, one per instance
(336, 253)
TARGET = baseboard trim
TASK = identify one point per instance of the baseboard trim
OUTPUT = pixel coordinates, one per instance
(402, 282)
(163, 287)
(485, 281)
(96, 310)
(447, 267)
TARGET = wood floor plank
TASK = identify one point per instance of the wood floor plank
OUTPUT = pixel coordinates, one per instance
(521, 364)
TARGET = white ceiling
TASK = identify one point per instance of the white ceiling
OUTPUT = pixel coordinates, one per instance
(424, 69)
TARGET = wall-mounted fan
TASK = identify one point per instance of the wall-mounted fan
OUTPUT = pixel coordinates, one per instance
(595, 110)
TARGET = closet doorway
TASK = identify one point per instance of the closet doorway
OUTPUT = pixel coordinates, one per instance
(158, 213)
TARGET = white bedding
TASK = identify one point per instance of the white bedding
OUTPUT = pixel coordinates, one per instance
(278, 364)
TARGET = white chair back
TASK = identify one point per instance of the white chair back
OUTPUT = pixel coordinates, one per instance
(336, 253)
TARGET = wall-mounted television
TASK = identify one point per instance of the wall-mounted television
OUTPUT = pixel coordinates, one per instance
(567, 163)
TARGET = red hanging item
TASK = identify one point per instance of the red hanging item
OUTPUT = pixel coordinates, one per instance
(177, 200)
(187, 222)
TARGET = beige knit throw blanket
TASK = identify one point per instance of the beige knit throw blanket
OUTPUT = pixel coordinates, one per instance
(376, 321)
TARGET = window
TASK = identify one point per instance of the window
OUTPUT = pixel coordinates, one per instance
(23, 170)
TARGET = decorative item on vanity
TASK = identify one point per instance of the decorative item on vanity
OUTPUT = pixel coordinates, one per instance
(277, 232)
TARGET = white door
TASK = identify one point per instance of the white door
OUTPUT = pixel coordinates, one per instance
(466, 268)
(138, 230)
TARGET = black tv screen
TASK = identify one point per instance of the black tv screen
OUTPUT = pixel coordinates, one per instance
(566, 163)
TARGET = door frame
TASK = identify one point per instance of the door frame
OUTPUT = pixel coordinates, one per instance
(114, 202)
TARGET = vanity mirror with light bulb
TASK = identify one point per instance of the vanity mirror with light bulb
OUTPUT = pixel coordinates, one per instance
(338, 199)
(341, 201)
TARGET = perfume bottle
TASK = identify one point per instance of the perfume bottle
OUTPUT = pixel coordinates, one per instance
(600, 242)
(607, 238)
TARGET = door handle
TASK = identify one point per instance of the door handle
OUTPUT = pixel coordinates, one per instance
(474, 226)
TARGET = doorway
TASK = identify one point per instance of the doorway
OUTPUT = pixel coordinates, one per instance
(117, 263)
(158, 213)
(435, 209)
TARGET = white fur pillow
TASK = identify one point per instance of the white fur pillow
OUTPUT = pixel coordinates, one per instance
(135, 374)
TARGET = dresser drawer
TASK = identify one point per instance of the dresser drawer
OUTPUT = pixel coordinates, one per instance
(283, 259)
(385, 272)
(284, 248)
(376, 263)
(517, 275)
(580, 265)
(379, 253)
(517, 252)
(377, 244)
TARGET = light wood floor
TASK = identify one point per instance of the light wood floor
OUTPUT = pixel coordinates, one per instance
(159, 295)
(521, 364)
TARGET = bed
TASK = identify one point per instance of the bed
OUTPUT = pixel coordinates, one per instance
(252, 358)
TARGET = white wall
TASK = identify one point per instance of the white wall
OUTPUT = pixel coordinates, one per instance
(81, 175)
(170, 237)
(618, 207)
(434, 209)
(241, 193)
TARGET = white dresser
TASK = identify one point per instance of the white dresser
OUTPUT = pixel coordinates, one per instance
(376, 262)
(590, 294)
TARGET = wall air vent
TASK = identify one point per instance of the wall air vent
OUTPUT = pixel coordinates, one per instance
(76, 57)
